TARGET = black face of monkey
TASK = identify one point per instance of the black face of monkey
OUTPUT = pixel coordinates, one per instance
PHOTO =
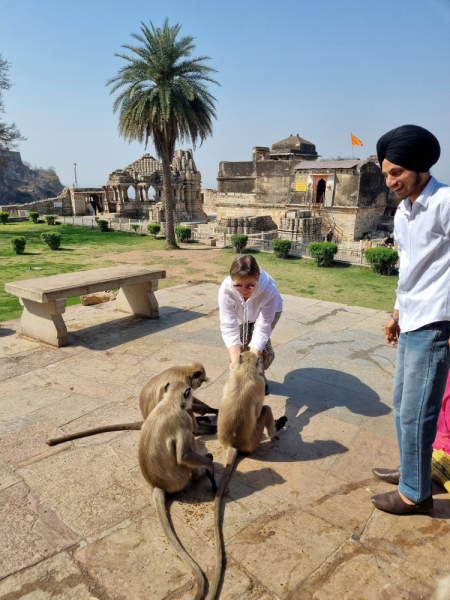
(198, 378)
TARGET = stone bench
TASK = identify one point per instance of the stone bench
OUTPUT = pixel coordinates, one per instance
(44, 299)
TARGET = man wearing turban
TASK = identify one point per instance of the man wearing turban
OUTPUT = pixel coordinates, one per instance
(420, 323)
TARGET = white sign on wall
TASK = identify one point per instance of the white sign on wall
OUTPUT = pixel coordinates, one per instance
(57, 204)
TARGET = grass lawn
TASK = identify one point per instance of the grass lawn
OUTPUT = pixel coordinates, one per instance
(83, 248)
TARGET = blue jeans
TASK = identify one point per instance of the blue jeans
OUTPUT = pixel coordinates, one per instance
(423, 362)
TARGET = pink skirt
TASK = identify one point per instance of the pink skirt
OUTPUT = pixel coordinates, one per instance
(442, 441)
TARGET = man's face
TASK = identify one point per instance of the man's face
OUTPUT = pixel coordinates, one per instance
(403, 182)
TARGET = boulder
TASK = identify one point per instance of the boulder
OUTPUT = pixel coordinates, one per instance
(97, 298)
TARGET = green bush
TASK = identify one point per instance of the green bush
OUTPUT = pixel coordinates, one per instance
(135, 227)
(383, 260)
(4, 217)
(18, 244)
(183, 233)
(53, 240)
(102, 225)
(50, 219)
(281, 247)
(34, 216)
(323, 252)
(239, 242)
(154, 229)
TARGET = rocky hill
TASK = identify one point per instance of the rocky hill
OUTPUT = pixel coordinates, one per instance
(21, 183)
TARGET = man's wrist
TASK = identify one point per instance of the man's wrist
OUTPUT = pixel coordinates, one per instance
(395, 319)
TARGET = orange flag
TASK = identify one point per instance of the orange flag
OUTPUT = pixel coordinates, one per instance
(355, 141)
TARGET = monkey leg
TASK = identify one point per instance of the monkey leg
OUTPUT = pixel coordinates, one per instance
(265, 420)
(196, 461)
(201, 428)
(200, 408)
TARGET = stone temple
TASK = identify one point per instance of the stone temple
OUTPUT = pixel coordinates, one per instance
(137, 191)
(349, 195)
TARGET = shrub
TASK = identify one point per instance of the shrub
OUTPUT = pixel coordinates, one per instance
(18, 244)
(34, 216)
(281, 247)
(53, 240)
(154, 229)
(239, 242)
(102, 225)
(50, 219)
(183, 233)
(4, 217)
(135, 227)
(383, 260)
(323, 252)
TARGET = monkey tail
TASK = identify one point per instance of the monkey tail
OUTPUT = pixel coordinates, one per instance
(231, 459)
(159, 498)
(81, 434)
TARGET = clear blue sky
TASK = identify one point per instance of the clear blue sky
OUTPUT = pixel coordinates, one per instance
(319, 68)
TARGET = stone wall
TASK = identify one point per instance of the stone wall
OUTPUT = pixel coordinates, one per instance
(246, 225)
(268, 180)
(244, 209)
(43, 207)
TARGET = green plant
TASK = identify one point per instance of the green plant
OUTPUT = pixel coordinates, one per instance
(102, 225)
(18, 243)
(34, 216)
(50, 219)
(281, 247)
(323, 252)
(135, 227)
(154, 229)
(383, 260)
(164, 97)
(183, 233)
(53, 240)
(239, 242)
(4, 217)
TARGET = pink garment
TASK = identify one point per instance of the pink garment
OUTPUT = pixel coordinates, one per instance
(442, 441)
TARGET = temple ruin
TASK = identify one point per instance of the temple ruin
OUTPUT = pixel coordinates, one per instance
(144, 178)
(349, 195)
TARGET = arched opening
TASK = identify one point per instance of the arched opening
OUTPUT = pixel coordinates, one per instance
(320, 191)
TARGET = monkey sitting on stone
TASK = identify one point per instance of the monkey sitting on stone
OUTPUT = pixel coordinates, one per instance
(240, 427)
(193, 375)
(168, 459)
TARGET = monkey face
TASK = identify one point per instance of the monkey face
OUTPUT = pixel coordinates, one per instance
(198, 377)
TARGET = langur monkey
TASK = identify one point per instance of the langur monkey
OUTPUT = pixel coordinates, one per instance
(168, 458)
(192, 375)
(240, 427)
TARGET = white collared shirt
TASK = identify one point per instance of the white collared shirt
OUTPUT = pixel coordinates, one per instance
(422, 231)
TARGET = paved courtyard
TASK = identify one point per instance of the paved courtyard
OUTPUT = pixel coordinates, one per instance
(77, 519)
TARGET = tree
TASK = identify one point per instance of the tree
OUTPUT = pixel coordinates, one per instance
(165, 98)
(10, 136)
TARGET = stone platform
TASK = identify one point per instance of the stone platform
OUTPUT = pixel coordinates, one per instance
(78, 522)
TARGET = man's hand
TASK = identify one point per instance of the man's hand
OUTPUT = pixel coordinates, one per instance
(391, 332)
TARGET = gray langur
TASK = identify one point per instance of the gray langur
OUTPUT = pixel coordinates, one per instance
(240, 427)
(168, 459)
(193, 375)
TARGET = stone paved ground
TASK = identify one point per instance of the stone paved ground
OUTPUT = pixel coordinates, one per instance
(78, 522)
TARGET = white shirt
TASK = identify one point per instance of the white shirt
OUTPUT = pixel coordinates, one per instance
(422, 231)
(259, 309)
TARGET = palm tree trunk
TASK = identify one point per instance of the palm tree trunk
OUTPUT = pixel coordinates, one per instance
(168, 200)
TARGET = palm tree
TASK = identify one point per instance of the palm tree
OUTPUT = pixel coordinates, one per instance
(164, 97)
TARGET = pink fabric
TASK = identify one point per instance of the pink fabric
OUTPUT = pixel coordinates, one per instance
(442, 441)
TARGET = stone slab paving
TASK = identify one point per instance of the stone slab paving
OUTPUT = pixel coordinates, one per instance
(78, 522)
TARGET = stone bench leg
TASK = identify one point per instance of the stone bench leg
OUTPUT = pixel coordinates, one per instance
(139, 299)
(43, 321)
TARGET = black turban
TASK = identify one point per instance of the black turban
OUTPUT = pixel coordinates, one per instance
(409, 146)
